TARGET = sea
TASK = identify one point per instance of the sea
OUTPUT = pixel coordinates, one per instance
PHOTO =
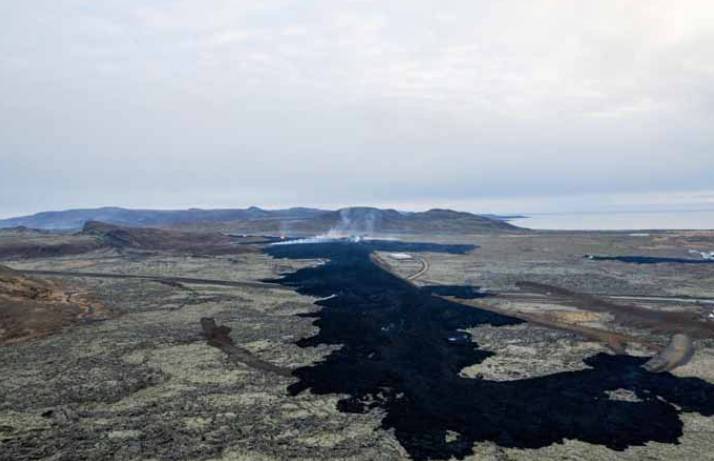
(645, 220)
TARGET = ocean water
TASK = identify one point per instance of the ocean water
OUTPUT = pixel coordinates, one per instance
(620, 220)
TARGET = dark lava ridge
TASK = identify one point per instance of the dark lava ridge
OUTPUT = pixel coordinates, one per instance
(650, 260)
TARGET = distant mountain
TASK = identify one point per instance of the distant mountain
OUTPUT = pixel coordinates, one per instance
(292, 221)
(76, 219)
(504, 217)
(359, 220)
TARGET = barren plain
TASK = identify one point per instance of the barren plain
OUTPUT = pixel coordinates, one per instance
(139, 379)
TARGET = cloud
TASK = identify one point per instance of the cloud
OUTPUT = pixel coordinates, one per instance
(185, 102)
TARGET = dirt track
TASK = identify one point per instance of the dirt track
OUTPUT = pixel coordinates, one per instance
(615, 341)
(424, 268)
(655, 320)
(186, 280)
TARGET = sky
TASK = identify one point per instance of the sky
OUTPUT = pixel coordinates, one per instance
(506, 107)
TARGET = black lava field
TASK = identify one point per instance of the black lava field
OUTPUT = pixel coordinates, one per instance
(402, 350)
(650, 260)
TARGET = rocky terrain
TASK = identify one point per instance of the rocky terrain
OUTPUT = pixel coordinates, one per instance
(144, 378)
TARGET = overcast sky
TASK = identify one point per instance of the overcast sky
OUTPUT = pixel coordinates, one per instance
(492, 106)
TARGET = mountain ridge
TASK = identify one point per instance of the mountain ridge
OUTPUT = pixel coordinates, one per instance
(298, 220)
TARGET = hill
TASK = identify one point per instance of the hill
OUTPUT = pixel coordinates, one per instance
(167, 240)
(21, 242)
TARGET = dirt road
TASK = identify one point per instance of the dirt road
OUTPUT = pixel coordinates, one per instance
(156, 278)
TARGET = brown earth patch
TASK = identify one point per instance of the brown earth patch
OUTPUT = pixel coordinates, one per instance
(32, 308)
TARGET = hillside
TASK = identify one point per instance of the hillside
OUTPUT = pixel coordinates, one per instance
(33, 307)
(21, 242)
(15, 285)
(167, 240)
